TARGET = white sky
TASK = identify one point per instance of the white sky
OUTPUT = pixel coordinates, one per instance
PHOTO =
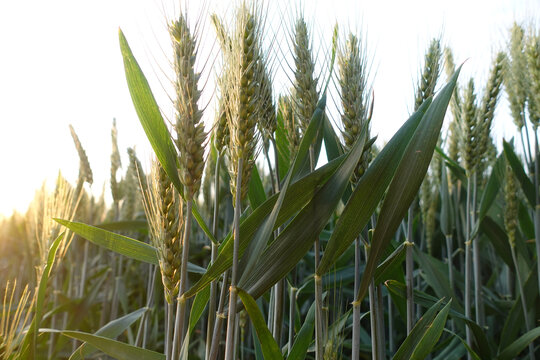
(60, 64)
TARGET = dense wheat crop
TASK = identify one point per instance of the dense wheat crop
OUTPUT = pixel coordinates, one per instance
(244, 241)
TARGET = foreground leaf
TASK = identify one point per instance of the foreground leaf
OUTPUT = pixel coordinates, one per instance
(368, 192)
(152, 122)
(120, 244)
(407, 180)
(110, 330)
(269, 346)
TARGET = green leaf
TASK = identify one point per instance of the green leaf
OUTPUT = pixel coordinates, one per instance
(418, 332)
(283, 254)
(264, 232)
(517, 346)
(269, 346)
(256, 193)
(120, 244)
(437, 279)
(298, 195)
(454, 167)
(368, 192)
(526, 184)
(407, 180)
(388, 266)
(116, 349)
(199, 304)
(304, 337)
(427, 301)
(497, 236)
(493, 186)
(152, 122)
(432, 335)
(110, 330)
(447, 212)
(133, 225)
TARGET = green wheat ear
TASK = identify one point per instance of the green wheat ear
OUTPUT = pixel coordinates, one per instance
(305, 95)
(242, 85)
(190, 134)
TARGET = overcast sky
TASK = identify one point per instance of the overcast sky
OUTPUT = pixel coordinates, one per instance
(60, 64)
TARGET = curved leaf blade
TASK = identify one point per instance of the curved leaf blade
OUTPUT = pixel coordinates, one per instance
(110, 330)
(269, 346)
(120, 244)
(368, 192)
(152, 122)
(407, 179)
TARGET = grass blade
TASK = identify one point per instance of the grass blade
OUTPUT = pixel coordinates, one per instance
(269, 346)
(407, 180)
(110, 330)
(152, 122)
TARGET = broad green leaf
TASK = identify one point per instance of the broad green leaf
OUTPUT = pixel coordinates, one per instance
(454, 167)
(269, 346)
(116, 349)
(198, 306)
(299, 194)
(438, 280)
(432, 335)
(133, 225)
(256, 193)
(304, 337)
(418, 332)
(465, 345)
(493, 186)
(407, 180)
(264, 232)
(120, 244)
(368, 192)
(282, 145)
(297, 238)
(331, 142)
(399, 290)
(497, 236)
(388, 266)
(110, 330)
(152, 122)
(447, 211)
(517, 167)
(517, 346)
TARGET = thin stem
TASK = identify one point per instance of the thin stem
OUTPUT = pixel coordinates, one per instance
(213, 285)
(169, 330)
(278, 312)
(476, 262)
(356, 305)
(409, 268)
(181, 302)
(537, 208)
(216, 336)
(467, 299)
(229, 343)
(380, 322)
(292, 314)
(390, 325)
(449, 254)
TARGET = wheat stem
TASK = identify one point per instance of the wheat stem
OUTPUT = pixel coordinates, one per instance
(181, 302)
(229, 346)
(213, 285)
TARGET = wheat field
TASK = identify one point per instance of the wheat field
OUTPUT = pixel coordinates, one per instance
(285, 229)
